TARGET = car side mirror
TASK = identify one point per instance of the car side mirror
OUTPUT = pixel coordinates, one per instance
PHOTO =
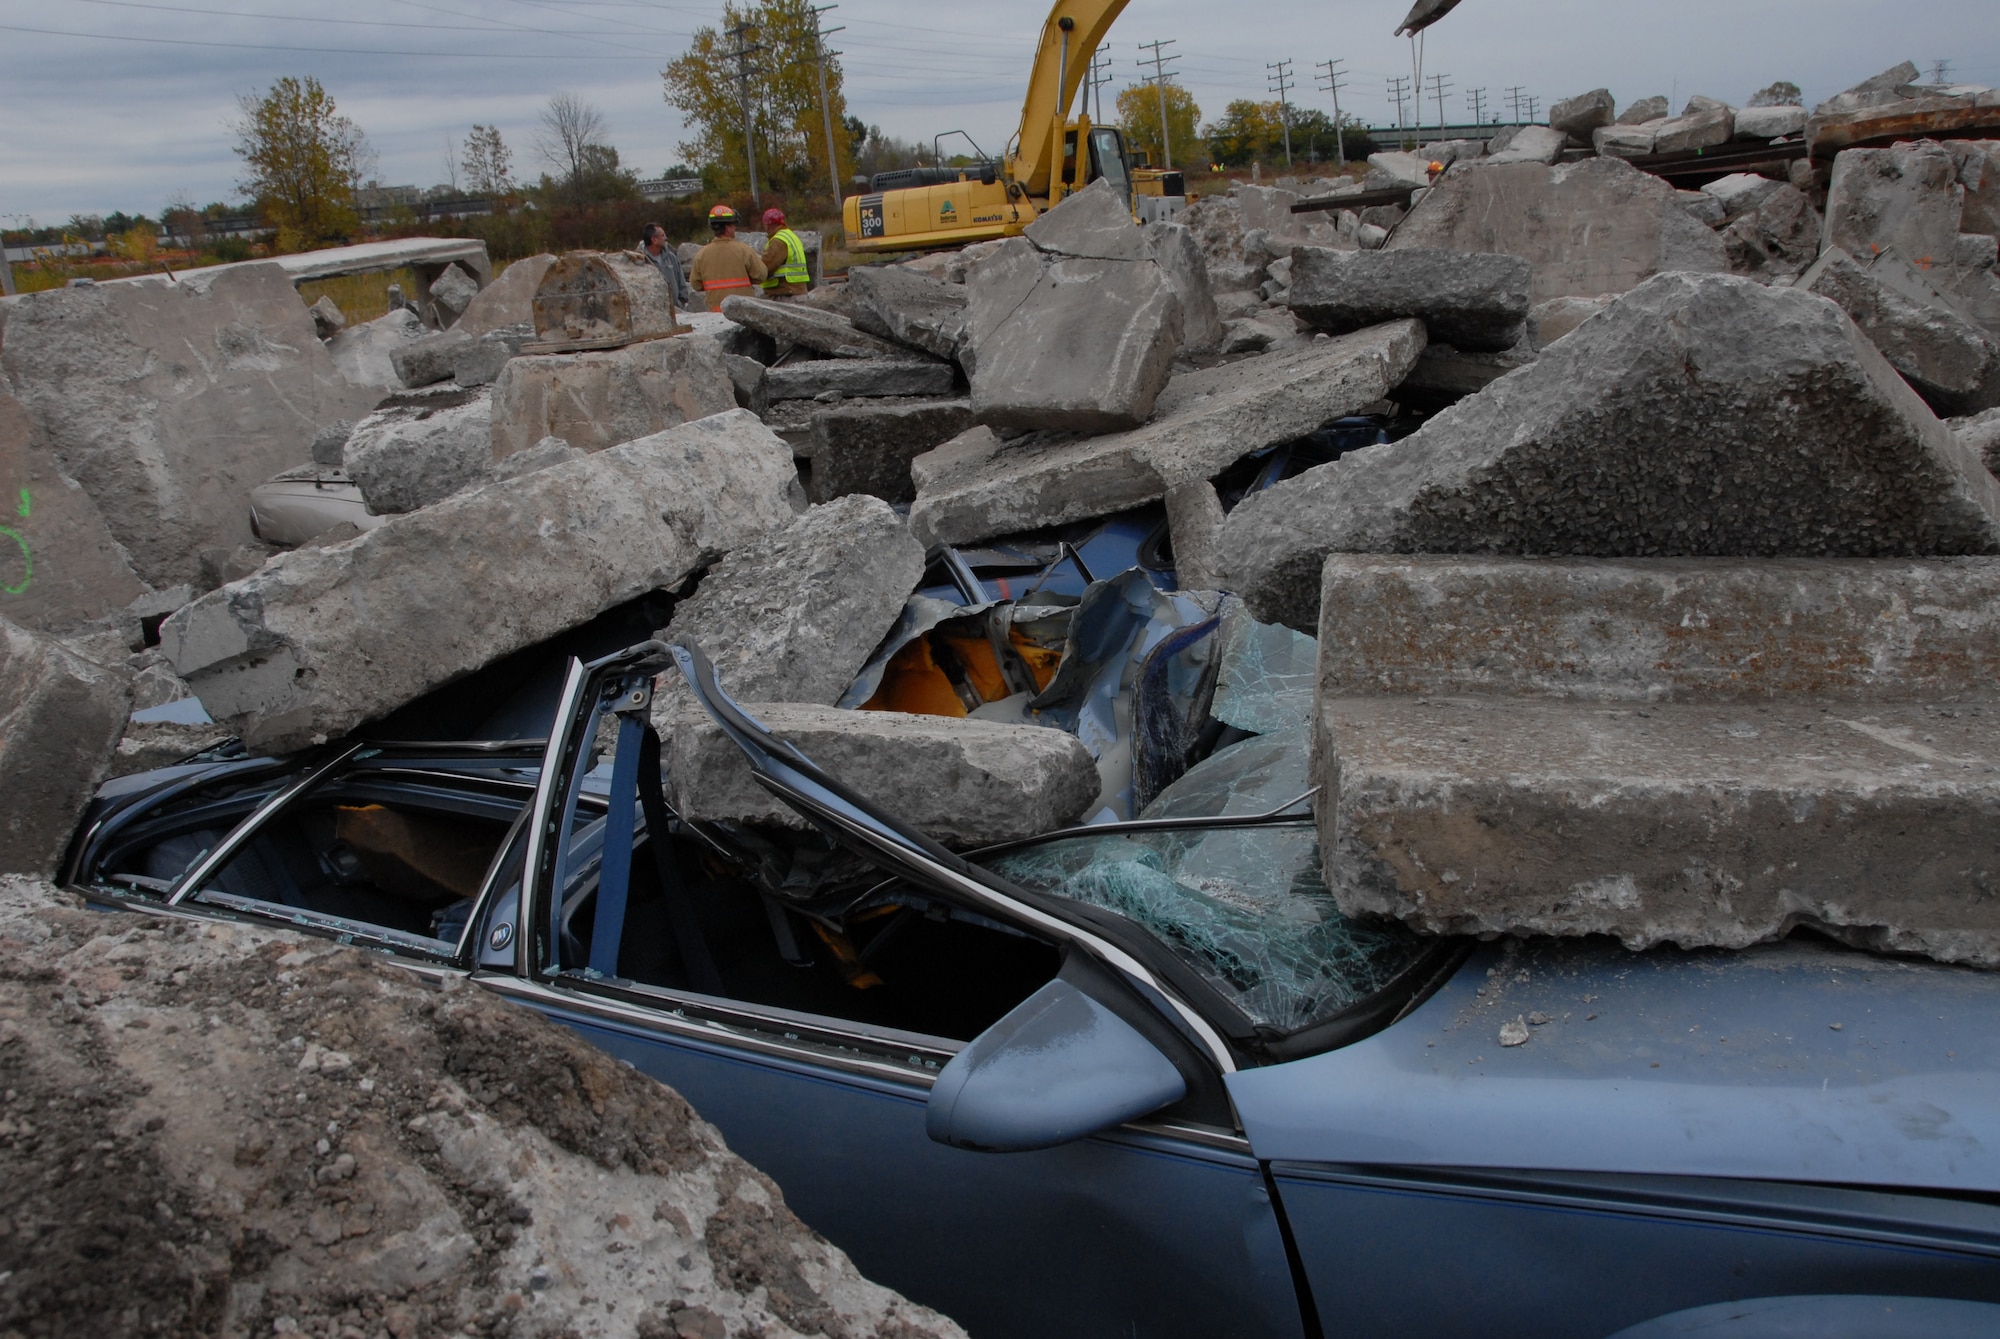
(1058, 1067)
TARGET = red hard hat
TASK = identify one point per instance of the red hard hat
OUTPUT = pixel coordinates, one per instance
(723, 212)
(773, 217)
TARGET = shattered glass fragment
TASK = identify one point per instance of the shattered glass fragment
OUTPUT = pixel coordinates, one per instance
(1265, 683)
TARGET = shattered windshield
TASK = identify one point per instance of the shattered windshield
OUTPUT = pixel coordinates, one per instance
(1245, 907)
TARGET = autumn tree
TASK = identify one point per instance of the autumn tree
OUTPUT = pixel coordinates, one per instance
(303, 162)
(1247, 132)
(1139, 118)
(1784, 93)
(789, 132)
(488, 164)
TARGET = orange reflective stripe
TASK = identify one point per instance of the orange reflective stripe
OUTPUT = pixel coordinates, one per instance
(725, 283)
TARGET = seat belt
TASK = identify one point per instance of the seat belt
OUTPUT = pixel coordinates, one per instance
(689, 941)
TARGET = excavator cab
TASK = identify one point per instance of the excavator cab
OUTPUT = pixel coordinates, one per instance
(1107, 159)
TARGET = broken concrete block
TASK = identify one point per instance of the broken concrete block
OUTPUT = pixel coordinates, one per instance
(1591, 227)
(858, 378)
(1550, 321)
(976, 486)
(60, 719)
(1980, 434)
(1645, 630)
(1075, 343)
(363, 353)
(1645, 109)
(793, 615)
(1180, 259)
(1396, 168)
(1906, 196)
(1625, 141)
(451, 293)
(595, 400)
(1749, 421)
(966, 782)
(480, 362)
(1466, 301)
(1575, 118)
(60, 565)
(1699, 127)
(1740, 193)
(427, 361)
(322, 640)
(1706, 209)
(328, 319)
(1778, 239)
(808, 327)
(1194, 521)
(509, 300)
(1769, 122)
(1727, 749)
(1979, 173)
(329, 444)
(898, 302)
(1685, 823)
(167, 402)
(867, 448)
(1951, 362)
(417, 450)
(1531, 144)
(549, 451)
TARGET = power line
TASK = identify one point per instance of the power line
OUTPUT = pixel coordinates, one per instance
(1475, 98)
(1332, 84)
(1438, 89)
(1514, 100)
(1280, 81)
(1534, 111)
(1158, 79)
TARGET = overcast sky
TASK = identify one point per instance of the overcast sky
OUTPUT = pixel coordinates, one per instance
(114, 104)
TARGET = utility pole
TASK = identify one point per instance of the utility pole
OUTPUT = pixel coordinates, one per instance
(1334, 83)
(1280, 82)
(1514, 102)
(744, 71)
(1399, 93)
(1100, 75)
(1158, 79)
(7, 266)
(1438, 89)
(1534, 111)
(820, 57)
(1476, 99)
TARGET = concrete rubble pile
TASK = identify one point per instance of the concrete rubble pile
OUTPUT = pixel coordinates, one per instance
(1540, 363)
(442, 1162)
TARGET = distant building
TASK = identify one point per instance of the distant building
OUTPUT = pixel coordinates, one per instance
(670, 188)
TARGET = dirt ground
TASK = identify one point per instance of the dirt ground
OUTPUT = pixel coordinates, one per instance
(225, 1131)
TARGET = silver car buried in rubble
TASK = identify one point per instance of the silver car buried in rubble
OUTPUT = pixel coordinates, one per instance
(1143, 1078)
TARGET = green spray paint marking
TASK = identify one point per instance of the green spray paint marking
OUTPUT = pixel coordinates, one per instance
(27, 564)
(22, 510)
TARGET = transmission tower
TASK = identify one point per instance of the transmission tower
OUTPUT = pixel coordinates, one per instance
(1332, 81)
(1158, 79)
(745, 72)
(1280, 82)
(1475, 98)
(1940, 71)
(1399, 93)
(1438, 89)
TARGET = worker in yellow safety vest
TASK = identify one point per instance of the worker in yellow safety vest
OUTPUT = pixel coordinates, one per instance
(726, 267)
(785, 258)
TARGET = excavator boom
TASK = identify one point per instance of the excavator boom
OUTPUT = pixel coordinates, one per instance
(1062, 59)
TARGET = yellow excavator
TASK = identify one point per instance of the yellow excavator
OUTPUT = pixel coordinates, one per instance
(1050, 156)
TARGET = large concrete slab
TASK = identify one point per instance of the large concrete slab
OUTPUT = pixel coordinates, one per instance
(1661, 629)
(60, 719)
(1906, 196)
(1686, 823)
(420, 449)
(1475, 302)
(793, 615)
(977, 486)
(59, 562)
(867, 448)
(899, 302)
(321, 640)
(965, 782)
(1596, 226)
(841, 378)
(1947, 358)
(808, 327)
(596, 400)
(167, 402)
(509, 300)
(1698, 415)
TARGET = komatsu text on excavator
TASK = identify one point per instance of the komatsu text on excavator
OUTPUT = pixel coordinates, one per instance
(1050, 156)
